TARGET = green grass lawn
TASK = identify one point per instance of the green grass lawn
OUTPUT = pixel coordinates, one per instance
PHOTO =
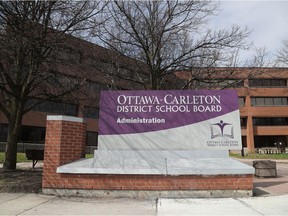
(262, 156)
(21, 157)
(89, 155)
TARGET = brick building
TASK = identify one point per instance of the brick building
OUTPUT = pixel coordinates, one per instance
(263, 97)
(264, 109)
(99, 68)
(263, 101)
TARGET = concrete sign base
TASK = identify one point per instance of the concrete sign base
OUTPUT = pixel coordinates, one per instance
(160, 162)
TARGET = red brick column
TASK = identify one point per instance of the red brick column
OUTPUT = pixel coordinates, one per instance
(64, 143)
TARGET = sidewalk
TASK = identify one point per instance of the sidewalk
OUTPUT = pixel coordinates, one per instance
(38, 204)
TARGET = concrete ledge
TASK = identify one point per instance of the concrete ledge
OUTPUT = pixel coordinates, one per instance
(146, 194)
(65, 118)
(158, 163)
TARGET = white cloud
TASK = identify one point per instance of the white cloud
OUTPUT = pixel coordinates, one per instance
(266, 19)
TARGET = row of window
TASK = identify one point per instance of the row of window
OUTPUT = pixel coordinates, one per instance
(234, 83)
(91, 112)
(268, 82)
(269, 141)
(270, 121)
(31, 134)
(218, 83)
(63, 108)
(269, 101)
(259, 121)
(96, 87)
(54, 107)
(265, 101)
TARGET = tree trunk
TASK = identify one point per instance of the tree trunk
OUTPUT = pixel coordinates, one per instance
(14, 129)
(155, 81)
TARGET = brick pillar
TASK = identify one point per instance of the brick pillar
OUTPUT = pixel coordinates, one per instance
(250, 134)
(249, 127)
(65, 142)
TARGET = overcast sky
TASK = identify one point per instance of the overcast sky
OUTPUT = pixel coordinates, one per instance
(268, 21)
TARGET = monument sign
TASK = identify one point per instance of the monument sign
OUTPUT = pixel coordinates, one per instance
(170, 120)
(154, 144)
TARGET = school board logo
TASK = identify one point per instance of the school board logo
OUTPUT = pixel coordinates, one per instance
(221, 129)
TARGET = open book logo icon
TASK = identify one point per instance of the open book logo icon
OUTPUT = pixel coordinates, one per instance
(222, 129)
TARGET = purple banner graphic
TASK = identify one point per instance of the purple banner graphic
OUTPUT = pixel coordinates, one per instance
(140, 112)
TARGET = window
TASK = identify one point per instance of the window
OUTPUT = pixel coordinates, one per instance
(30, 134)
(267, 82)
(70, 109)
(268, 141)
(54, 107)
(241, 101)
(3, 132)
(269, 101)
(92, 138)
(218, 83)
(69, 54)
(91, 112)
(243, 122)
(270, 121)
(95, 87)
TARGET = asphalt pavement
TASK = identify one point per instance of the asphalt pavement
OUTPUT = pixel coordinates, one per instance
(270, 198)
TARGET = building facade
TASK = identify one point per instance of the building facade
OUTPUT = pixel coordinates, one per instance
(80, 61)
(263, 97)
(263, 101)
(264, 109)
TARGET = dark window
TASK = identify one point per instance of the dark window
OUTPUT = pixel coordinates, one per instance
(270, 121)
(58, 108)
(54, 107)
(239, 83)
(92, 138)
(268, 141)
(244, 141)
(30, 134)
(91, 112)
(3, 132)
(241, 101)
(269, 101)
(95, 87)
(243, 122)
(46, 106)
(71, 109)
(267, 82)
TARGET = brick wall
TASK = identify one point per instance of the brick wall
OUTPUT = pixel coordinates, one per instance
(65, 142)
(151, 182)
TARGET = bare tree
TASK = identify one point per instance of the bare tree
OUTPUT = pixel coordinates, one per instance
(282, 55)
(32, 33)
(169, 36)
